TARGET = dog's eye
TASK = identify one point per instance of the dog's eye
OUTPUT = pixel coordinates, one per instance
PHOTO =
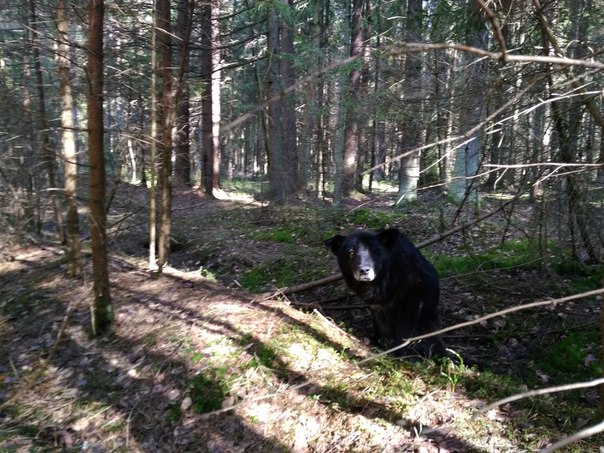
(351, 253)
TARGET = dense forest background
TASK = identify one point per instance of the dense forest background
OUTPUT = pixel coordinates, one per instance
(314, 100)
(219, 143)
(308, 101)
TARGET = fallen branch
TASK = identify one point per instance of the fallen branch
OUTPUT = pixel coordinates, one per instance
(311, 285)
(506, 311)
(587, 432)
(537, 392)
(321, 306)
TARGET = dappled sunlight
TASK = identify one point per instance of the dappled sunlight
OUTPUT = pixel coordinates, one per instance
(196, 362)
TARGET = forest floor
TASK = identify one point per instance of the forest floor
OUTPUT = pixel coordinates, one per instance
(196, 361)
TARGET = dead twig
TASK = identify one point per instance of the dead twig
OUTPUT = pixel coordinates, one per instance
(587, 432)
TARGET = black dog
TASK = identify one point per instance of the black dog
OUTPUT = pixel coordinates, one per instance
(397, 282)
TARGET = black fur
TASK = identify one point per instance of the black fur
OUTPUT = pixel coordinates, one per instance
(396, 281)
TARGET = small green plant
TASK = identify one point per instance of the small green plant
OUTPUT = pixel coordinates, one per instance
(454, 369)
(173, 413)
(208, 274)
(209, 389)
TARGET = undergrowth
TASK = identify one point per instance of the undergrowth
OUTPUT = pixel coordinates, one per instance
(260, 249)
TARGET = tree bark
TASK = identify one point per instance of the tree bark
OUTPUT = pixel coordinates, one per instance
(102, 307)
(210, 101)
(288, 118)
(168, 113)
(182, 148)
(463, 186)
(351, 132)
(409, 169)
(47, 154)
(68, 142)
(601, 387)
(282, 152)
(153, 147)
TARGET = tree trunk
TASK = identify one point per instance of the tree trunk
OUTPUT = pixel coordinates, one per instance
(153, 147)
(216, 97)
(281, 120)
(275, 108)
(47, 153)
(68, 142)
(351, 132)
(409, 169)
(102, 308)
(600, 161)
(463, 185)
(288, 117)
(336, 120)
(566, 122)
(378, 148)
(182, 149)
(601, 387)
(168, 113)
(210, 101)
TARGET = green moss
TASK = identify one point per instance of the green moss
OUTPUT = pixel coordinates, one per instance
(512, 254)
(174, 413)
(575, 356)
(264, 355)
(209, 388)
(288, 234)
(488, 385)
(366, 218)
(292, 268)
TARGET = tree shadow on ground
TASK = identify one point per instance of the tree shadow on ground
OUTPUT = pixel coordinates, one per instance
(104, 394)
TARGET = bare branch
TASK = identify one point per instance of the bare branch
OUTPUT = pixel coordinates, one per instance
(587, 101)
(397, 49)
(587, 432)
(537, 392)
(486, 317)
(496, 28)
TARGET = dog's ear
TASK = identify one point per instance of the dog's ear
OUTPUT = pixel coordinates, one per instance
(335, 243)
(388, 237)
